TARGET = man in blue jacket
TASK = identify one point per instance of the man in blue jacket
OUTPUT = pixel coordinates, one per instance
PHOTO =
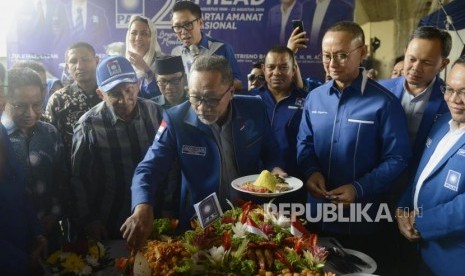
(432, 209)
(216, 138)
(284, 103)
(419, 91)
(420, 88)
(352, 143)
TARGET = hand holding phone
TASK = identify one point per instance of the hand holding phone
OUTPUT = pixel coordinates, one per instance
(299, 24)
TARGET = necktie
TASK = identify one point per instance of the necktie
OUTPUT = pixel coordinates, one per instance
(40, 13)
(79, 27)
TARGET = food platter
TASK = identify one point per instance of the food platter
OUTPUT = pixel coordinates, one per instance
(294, 185)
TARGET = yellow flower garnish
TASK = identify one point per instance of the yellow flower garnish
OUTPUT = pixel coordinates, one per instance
(73, 263)
(52, 259)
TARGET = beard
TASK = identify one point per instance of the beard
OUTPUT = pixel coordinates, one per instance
(207, 121)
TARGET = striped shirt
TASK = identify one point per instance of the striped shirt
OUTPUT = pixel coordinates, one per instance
(105, 153)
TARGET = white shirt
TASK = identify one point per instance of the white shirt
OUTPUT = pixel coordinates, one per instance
(446, 143)
(284, 19)
(318, 16)
(414, 107)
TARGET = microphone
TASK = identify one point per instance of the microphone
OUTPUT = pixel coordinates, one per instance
(194, 50)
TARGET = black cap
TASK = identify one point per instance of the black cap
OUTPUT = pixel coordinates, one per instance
(167, 65)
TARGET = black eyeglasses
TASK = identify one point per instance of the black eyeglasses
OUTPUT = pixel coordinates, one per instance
(449, 91)
(210, 102)
(173, 81)
(22, 108)
(253, 77)
(188, 26)
(338, 57)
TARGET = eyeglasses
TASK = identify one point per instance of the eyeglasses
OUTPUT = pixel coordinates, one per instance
(173, 81)
(210, 102)
(448, 91)
(253, 77)
(338, 57)
(23, 108)
(186, 26)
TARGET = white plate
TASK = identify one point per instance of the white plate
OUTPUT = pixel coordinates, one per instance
(365, 271)
(294, 185)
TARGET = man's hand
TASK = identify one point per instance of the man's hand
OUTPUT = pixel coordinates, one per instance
(96, 231)
(344, 194)
(137, 228)
(280, 172)
(316, 184)
(297, 40)
(405, 223)
(39, 252)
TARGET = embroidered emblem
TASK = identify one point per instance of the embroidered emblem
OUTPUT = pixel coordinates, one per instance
(299, 102)
(452, 180)
(114, 68)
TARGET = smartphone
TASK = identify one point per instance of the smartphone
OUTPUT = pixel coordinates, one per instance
(298, 23)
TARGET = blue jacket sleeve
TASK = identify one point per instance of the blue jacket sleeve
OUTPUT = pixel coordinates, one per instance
(306, 157)
(13, 261)
(445, 220)
(148, 90)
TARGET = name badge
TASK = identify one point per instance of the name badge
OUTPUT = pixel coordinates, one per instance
(193, 150)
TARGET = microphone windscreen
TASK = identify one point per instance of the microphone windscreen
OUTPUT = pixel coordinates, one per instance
(194, 50)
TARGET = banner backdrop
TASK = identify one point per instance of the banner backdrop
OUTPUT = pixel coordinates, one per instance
(250, 26)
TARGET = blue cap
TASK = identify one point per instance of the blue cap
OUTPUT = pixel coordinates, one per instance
(114, 70)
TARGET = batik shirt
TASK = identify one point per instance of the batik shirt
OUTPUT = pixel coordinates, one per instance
(40, 156)
(65, 107)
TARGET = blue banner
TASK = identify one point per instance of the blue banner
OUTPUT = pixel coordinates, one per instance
(250, 26)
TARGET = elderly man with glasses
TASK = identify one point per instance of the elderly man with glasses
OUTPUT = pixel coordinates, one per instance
(352, 143)
(217, 138)
(187, 23)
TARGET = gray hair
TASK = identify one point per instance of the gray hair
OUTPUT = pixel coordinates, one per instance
(214, 63)
(21, 77)
(349, 27)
